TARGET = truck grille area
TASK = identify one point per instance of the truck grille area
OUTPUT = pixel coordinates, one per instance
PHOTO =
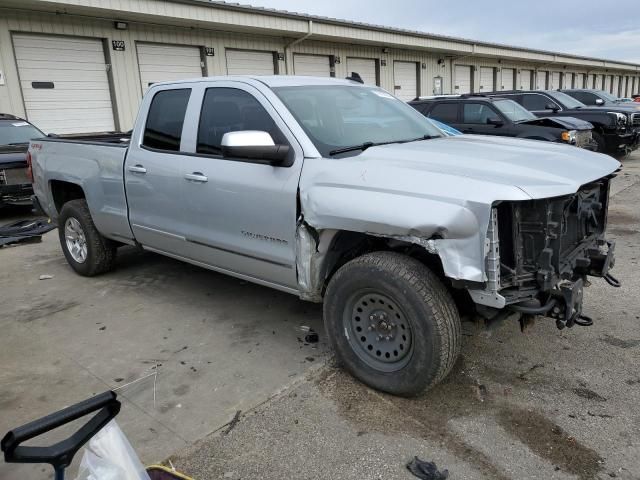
(544, 241)
(635, 119)
(583, 138)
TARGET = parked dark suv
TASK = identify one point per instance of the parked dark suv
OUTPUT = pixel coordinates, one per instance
(15, 185)
(599, 98)
(479, 114)
(616, 129)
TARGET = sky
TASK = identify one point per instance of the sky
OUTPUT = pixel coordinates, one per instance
(607, 29)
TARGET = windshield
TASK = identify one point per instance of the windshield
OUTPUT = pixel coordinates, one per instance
(340, 116)
(514, 111)
(17, 131)
(566, 100)
(607, 96)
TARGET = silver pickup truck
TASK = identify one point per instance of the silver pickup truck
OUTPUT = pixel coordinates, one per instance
(340, 193)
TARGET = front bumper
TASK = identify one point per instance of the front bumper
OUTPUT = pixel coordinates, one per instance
(623, 142)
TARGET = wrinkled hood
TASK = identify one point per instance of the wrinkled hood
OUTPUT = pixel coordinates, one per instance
(540, 169)
(569, 123)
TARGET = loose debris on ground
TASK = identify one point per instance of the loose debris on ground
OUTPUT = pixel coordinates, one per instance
(426, 470)
(24, 231)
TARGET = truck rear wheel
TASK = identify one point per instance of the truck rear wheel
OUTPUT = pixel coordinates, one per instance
(88, 252)
(392, 323)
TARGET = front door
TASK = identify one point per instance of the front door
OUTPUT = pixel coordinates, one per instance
(152, 173)
(239, 214)
(476, 117)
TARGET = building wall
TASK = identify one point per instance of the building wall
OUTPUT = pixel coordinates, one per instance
(125, 75)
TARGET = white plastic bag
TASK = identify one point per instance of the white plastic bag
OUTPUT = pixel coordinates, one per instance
(109, 456)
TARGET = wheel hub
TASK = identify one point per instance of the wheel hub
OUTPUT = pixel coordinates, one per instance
(75, 239)
(380, 332)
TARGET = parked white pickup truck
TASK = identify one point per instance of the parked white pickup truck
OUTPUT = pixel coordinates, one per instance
(340, 193)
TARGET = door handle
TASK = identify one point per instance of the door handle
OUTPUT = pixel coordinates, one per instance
(137, 169)
(197, 177)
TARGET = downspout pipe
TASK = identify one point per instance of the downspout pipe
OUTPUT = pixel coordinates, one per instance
(295, 42)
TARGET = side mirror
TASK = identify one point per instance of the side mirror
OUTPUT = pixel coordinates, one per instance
(599, 102)
(552, 106)
(495, 121)
(255, 145)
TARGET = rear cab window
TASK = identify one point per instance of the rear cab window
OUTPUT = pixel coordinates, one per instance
(163, 130)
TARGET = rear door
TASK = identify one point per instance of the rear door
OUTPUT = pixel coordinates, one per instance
(446, 112)
(152, 172)
(239, 215)
(537, 103)
(405, 80)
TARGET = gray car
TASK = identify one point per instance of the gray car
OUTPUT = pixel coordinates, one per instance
(340, 193)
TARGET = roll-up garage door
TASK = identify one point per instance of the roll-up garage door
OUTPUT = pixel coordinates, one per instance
(598, 82)
(64, 83)
(508, 75)
(365, 67)
(579, 81)
(314, 65)
(486, 79)
(163, 63)
(567, 80)
(615, 83)
(541, 79)
(405, 80)
(462, 79)
(247, 62)
(554, 81)
(525, 79)
(607, 83)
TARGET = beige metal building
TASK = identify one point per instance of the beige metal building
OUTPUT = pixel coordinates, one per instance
(83, 65)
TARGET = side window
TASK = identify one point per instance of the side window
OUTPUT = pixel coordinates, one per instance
(445, 112)
(231, 110)
(585, 97)
(477, 113)
(535, 102)
(165, 119)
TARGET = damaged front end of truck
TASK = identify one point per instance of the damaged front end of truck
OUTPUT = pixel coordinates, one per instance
(540, 254)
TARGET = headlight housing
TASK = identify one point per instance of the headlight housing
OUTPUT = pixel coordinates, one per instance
(569, 136)
(621, 119)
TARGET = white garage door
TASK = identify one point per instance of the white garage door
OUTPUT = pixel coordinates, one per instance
(607, 83)
(554, 82)
(508, 75)
(246, 62)
(567, 81)
(486, 79)
(365, 67)
(598, 82)
(615, 89)
(525, 79)
(163, 63)
(64, 83)
(462, 79)
(579, 83)
(405, 80)
(314, 65)
(541, 80)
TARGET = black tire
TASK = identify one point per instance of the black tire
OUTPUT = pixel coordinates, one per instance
(426, 307)
(100, 251)
(601, 145)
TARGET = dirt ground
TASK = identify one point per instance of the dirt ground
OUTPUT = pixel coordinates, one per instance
(546, 404)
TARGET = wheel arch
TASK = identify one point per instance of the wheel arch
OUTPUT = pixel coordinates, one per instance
(63, 192)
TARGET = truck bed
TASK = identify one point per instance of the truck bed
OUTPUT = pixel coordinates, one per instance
(95, 163)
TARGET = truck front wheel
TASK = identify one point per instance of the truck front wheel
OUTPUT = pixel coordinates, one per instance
(392, 323)
(88, 252)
